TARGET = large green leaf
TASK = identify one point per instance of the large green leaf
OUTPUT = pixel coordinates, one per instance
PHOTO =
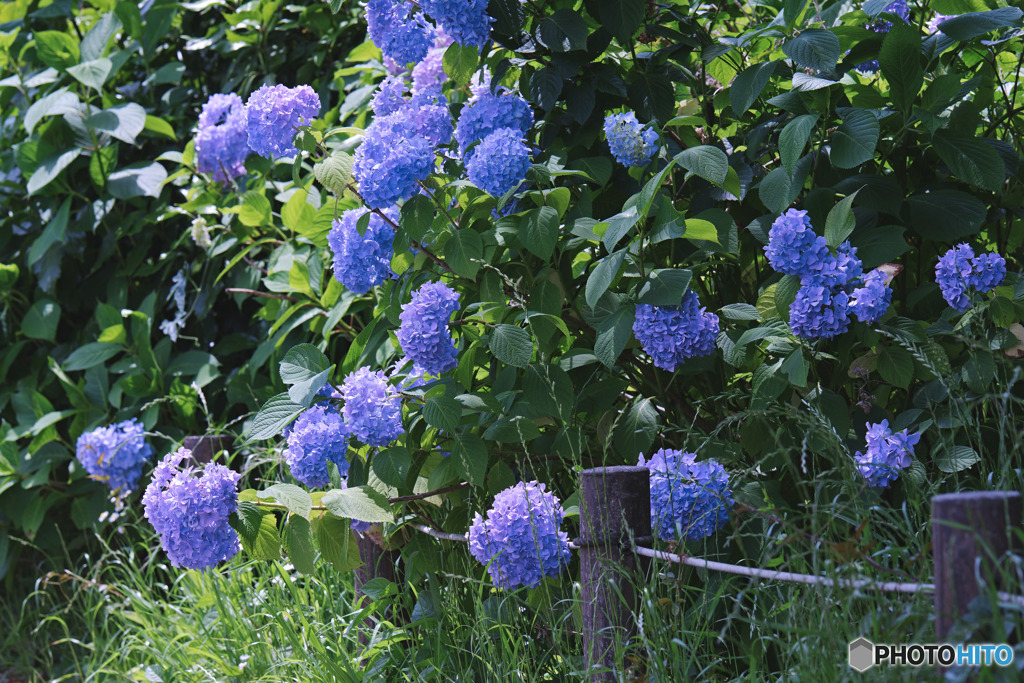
(815, 48)
(90, 355)
(970, 159)
(40, 321)
(539, 231)
(564, 30)
(298, 543)
(900, 63)
(361, 502)
(294, 498)
(511, 345)
(274, 416)
(124, 121)
(747, 85)
(973, 24)
(602, 276)
(854, 141)
(710, 163)
(793, 139)
(946, 215)
(613, 333)
(635, 431)
(137, 180)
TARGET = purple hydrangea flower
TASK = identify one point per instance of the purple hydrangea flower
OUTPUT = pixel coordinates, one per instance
(274, 114)
(362, 262)
(632, 143)
(401, 32)
(318, 435)
(672, 334)
(794, 249)
(115, 454)
(424, 332)
(429, 74)
(887, 454)
(428, 110)
(819, 311)
(500, 162)
(933, 24)
(519, 540)
(390, 96)
(222, 140)
(488, 113)
(373, 409)
(959, 270)
(871, 300)
(391, 159)
(190, 513)
(465, 21)
(687, 497)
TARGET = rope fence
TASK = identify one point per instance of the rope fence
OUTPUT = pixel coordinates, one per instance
(971, 531)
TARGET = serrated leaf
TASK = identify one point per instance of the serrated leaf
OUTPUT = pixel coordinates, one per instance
(740, 312)
(335, 172)
(665, 287)
(957, 459)
(622, 18)
(302, 362)
(747, 86)
(946, 215)
(470, 455)
(273, 417)
(635, 431)
(511, 345)
(854, 142)
(710, 163)
(266, 544)
(247, 520)
(337, 542)
(970, 159)
(460, 62)
(417, 215)
(123, 121)
(297, 211)
(463, 251)
(603, 274)
(255, 209)
(539, 231)
(973, 24)
(840, 222)
(564, 30)
(295, 499)
(298, 543)
(361, 502)
(793, 139)
(900, 62)
(392, 465)
(814, 48)
(896, 365)
(443, 413)
(613, 333)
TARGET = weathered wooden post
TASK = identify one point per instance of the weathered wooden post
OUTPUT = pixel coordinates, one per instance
(615, 506)
(203, 447)
(968, 528)
(377, 563)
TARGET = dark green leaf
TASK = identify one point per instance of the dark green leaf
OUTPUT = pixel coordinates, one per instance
(470, 456)
(274, 416)
(463, 251)
(298, 543)
(302, 362)
(539, 231)
(973, 24)
(900, 63)
(511, 345)
(613, 333)
(747, 86)
(460, 62)
(337, 542)
(137, 180)
(635, 431)
(564, 30)
(970, 159)
(665, 287)
(793, 139)
(896, 365)
(392, 465)
(622, 18)
(603, 275)
(840, 222)
(956, 459)
(417, 215)
(855, 140)
(815, 48)
(266, 544)
(90, 355)
(360, 502)
(443, 413)
(710, 163)
(40, 321)
(946, 215)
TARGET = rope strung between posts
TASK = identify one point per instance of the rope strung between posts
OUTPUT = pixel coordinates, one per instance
(752, 572)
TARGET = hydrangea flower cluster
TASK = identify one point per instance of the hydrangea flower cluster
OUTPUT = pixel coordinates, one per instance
(222, 139)
(519, 540)
(900, 9)
(401, 33)
(115, 454)
(959, 270)
(672, 334)
(429, 73)
(488, 113)
(500, 162)
(465, 21)
(870, 301)
(687, 496)
(390, 96)
(373, 410)
(819, 311)
(273, 114)
(887, 454)
(190, 513)
(793, 248)
(632, 143)
(427, 109)
(318, 436)
(424, 332)
(362, 262)
(391, 159)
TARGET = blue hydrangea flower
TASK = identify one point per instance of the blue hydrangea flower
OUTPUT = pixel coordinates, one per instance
(900, 9)
(687, 497)
(317, 436)
(390, 160)
(871, 300)
(886, 454)
(819, 311)
(424, 334)
(274, 113)
(465, 21)
(429, 74)
(115, 454)
(428, 110)
(794, 249)
(672, 334)
(362, 262)
(519, 540)
(933, 24)
(373, 410)
(222, 141)
(190, 513)
(959, 271)
(401, 33)
(500, 162)
(390, 96)
(488, 113)
(632, 143)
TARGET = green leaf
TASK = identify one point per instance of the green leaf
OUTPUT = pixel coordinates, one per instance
(710, 163)
(512, 430)
(392, 465)
(700, 229)
(622, 18)
(651, 189)
(124, 121)
(158, 126)
(545, 87)
(274, 416)
(443, 413)
(298, 543)
(297, 211)
(900, 63)
(564, 30)
(337, 542)
(360, 502)
(776, 191)
(602, 276)
(785, 294)
(56, 103)
(970, 159)
(896, 365)
(356, 349)
(255, 209)
(295, 499)
(956, 459)
(747, 86)
(549, 390)
(793, 139)
(470, 455)
(973, 24)
(840, 222)
(53, 233)
(247, 519)
(92, 74)
(613, 333)
(50, 168)
(90, 355)
(40, 321)
(855, 140)
(740, 312)
(56, 49)
(335, 172)
(795, 366)
(460, 62)
(814, 48)
(417, 215)
(539, 231)
(618, 226)
(302, 362)
(635, 431)
(463, 252)
(137, 180)
(511, 345)
(665, 287)
(266, 544)
(946, 215)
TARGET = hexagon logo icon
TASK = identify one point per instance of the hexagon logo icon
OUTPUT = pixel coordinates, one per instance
(862, 654)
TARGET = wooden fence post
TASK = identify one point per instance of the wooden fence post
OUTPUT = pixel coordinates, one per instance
(203, 447)
(966, 527)
(377, 563)
(615, 505)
